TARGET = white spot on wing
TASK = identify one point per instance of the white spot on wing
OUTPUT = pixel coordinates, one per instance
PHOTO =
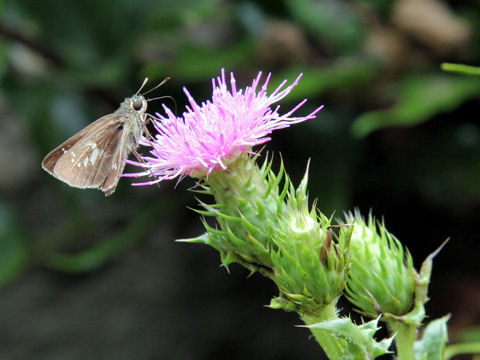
(94, 156)
(85, 162)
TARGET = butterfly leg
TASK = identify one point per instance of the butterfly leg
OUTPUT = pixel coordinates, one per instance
(140, 159)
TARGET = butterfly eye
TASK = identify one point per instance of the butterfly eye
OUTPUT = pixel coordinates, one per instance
(137, 105)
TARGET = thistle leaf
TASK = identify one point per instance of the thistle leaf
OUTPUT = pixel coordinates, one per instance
(360, 338)
(433, 342)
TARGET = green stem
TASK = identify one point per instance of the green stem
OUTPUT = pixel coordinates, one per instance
(457, 349)
(406, 334)
(333, 346)
(461, 69)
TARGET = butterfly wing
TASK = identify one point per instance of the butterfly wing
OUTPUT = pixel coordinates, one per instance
(114, 170)
(91, 158)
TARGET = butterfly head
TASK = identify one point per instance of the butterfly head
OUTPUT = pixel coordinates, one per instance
(137, 103)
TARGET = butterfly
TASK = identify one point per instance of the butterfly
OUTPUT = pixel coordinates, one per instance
(94, 158)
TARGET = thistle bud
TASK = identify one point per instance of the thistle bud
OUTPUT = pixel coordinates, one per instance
(381, 279)
(248, 203)
(309, 266)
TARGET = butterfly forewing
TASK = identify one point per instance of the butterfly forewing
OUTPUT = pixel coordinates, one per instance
(87, 159)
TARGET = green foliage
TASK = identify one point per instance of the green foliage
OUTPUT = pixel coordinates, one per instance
(99, 254)
(345, 74)
(13, 244)
(194, 63)
(420, 98)
(334, 22)
(3, 60)
(433, 342)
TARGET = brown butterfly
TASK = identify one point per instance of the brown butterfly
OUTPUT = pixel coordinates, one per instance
(94, 158)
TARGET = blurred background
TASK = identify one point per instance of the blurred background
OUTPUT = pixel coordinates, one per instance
(88, 277)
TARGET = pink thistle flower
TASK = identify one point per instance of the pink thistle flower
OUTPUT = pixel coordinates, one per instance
(215, 133)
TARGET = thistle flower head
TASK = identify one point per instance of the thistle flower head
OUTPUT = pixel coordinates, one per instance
(209, 136)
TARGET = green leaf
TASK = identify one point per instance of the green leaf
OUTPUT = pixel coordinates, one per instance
(360, 338)
(433, 342)
(420, 98)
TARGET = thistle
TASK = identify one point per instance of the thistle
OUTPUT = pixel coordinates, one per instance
(263, 221)
(263, 226)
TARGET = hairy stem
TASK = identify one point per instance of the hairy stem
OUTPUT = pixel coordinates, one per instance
(333, 346)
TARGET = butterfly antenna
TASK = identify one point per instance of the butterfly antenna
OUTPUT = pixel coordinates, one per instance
(156, 87)
(143, 85)
(166, 97)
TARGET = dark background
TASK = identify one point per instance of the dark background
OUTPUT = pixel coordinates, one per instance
(89, 277)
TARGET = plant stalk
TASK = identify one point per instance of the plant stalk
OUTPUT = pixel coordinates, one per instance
(333, 346)
(406, 335)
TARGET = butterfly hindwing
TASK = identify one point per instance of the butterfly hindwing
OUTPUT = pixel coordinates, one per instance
(117, 165)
